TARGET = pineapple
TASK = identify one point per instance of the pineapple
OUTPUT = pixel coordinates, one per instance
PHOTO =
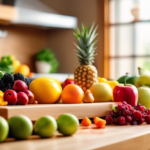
(86, 74)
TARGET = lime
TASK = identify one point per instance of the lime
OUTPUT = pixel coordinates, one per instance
(4, 129)
(45, 126)
(20, 127)
(67, 124)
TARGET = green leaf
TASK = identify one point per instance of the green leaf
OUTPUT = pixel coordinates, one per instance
(91, 47)
(81, 50)
(91, 38)
(91, 28)
(114, 108)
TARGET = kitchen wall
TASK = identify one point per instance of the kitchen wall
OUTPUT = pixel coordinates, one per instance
(25, 42)
(61, 41)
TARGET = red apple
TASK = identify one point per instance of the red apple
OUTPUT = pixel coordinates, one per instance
(30, 96)
(22, 98)
(10, 96)
(69, 80)
(127, 92)
(20, 86)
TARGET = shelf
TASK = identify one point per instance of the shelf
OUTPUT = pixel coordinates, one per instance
(129, 23)
(79, 110)
(22, 16)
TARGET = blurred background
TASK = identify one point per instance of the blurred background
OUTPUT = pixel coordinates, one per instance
(32, 31)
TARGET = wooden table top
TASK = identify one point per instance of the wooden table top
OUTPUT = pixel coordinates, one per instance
(112, 137)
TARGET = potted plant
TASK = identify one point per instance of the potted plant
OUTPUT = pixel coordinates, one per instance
(46, 62)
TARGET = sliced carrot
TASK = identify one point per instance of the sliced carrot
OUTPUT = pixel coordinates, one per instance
(86, 121)
(100, 123)
(96, 119)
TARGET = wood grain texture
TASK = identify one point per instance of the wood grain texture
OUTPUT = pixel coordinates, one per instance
(7, 14)
(36, 111)
(108, 138)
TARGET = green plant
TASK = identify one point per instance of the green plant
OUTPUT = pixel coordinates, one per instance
(48, 56)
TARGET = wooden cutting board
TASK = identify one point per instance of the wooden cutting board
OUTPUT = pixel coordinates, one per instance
(79, 110)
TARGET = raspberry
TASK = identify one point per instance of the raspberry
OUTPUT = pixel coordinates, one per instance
(129, 106)
(125, 113)
(141, 120)
(148, 111)
(119, 107)
(147, 119)
(137, 115)
(109, 119)
(128, 119)
(124, 103)
(121, 120)
(141, 108)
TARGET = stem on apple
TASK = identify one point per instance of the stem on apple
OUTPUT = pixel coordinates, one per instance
(125, 83)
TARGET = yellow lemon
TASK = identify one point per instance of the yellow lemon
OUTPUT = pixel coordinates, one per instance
(46, 90)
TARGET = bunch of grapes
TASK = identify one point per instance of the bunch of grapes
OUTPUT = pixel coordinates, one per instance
(125, 114)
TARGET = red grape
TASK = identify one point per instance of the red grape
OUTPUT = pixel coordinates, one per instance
(137, 115)
(109, 119)
(147, 119)
(125, 114)
(128, 119)
(121, 120)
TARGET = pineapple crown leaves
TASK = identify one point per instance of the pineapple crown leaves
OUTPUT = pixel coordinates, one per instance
(86, 44)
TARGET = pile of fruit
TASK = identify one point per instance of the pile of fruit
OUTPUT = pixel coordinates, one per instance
(20, 127)
(15, 88)
(9, 64)
(125, 114)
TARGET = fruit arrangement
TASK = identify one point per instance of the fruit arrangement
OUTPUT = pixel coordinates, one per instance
(125, 114)
(9, 64)
(20, 127)
(15, 88)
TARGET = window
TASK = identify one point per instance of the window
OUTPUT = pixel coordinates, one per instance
(129, 36)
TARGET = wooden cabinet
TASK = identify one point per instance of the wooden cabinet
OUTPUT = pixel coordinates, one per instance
(7, 14)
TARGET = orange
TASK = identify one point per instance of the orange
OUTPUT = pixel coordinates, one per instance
(46, 90)
(96, 119)
(100, 123)
(24, 69)
(86, 122)
(72, 94)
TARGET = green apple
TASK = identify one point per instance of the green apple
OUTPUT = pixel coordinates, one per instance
(143, 80)
(67, 124)
(45, 126)
(4, 129)
(20, 127)
(144, 96)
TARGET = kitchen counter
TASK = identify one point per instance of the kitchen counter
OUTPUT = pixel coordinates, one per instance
(111, 137)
